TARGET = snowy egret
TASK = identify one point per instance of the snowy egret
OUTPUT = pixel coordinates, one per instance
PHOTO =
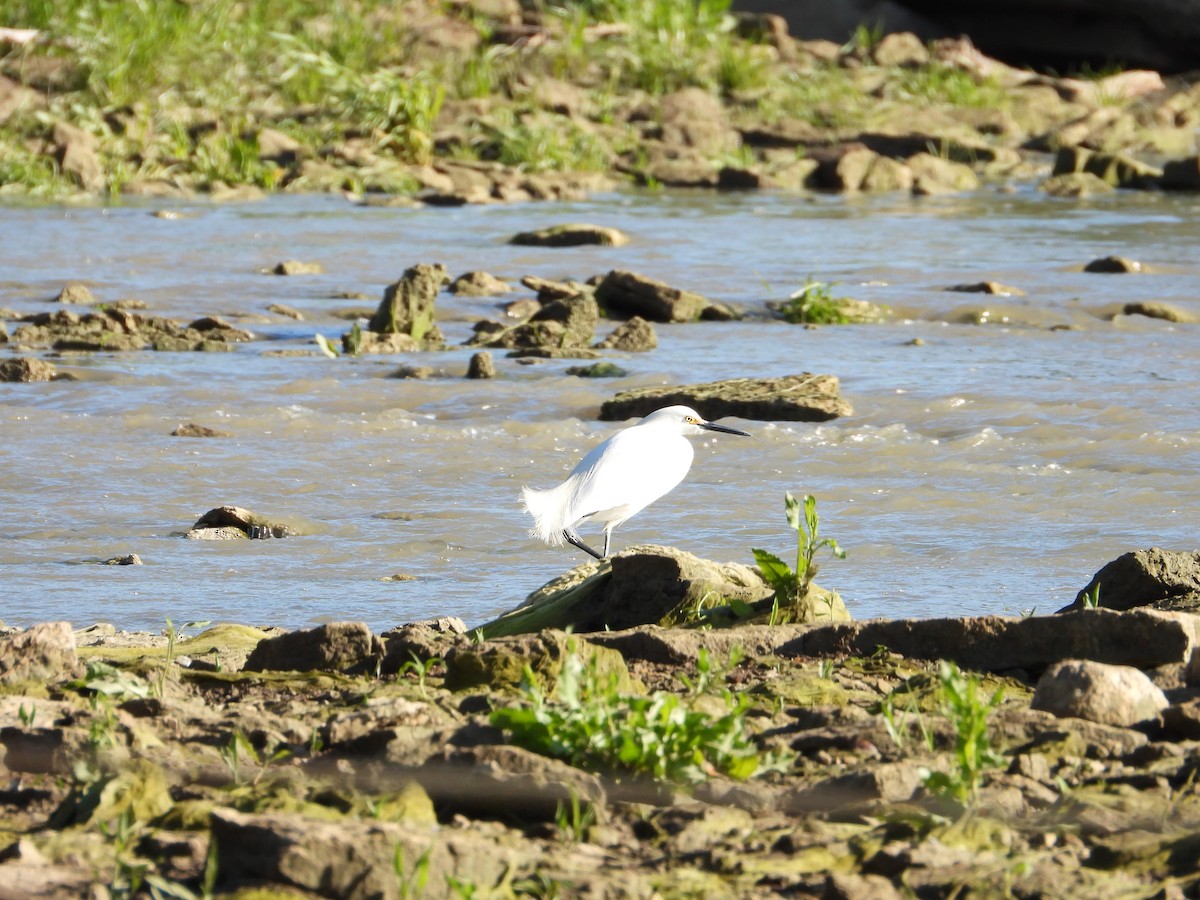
(619, 478)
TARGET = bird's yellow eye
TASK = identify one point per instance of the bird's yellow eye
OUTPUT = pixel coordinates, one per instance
(691, 420)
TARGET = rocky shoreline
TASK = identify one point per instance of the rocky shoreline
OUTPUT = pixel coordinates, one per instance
(1037, 756)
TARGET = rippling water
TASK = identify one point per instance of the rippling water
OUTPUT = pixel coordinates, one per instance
(993, 468)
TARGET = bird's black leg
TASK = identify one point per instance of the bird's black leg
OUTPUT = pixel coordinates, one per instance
(607, 538)
(576, 540)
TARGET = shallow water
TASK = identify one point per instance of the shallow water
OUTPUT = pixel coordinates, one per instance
(992, 469)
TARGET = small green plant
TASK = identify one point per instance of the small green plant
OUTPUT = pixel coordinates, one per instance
(575, 819)
(814, 304)
(27, 715)
(1091, 599)
(160, 683)
(595, 726)
(420, 668)
(411, 884)
(792, 585)
(968, 713)
(241, 751)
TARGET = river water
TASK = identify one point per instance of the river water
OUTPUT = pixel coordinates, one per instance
(990, 468)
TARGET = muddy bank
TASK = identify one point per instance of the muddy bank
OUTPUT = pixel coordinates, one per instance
(843, 760)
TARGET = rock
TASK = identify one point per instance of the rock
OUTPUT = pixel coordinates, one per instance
(934, 175)
(1108, 694)
(296, 267)
(407, 305)
(843, 167)
(1181, 722)
(598, 370)
(420, 641)
(1143, 639)
(567, 325)
(1181, 174)
(75, 292)
(77, 154)
(901, 49)
(1114, 265)
(692, 117)
(634, 336)
(1156, 309)
(282, 309)
(481, 366)
(687, 170)
(225, 522)
(791, 398)
(479, 284)
(887, 175)
(348, 647)
(409, 371)
(637, 295)
(891, 783)
(858, 887)
(116, 330)
(642, 585)
(548, 291)
(130, 559)
(27, 368)
(502, 661)
(988, 287)
(191, 429)
(44, 652)
(571, 236)
(521, 309)
(1075, 184)
(277, 147)
(1161, 579)
(1116, 169)
(350, 859)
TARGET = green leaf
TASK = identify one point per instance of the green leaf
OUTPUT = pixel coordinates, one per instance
(774, 570)
(326, 346)
(792, 507)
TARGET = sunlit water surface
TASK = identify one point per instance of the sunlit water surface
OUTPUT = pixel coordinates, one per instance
(989, 468)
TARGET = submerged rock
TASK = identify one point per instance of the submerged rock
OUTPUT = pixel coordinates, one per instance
(637, 295)
(226, 522)
(1114, 265)
(635, 336)
(1155, 309)
(481, 365)
(76, 292)
(791, 398)
(988, 287)
(479, 284)
(297, 267)
(28, 368)
(571, 236)
(566, 325)
(118, 330)
(191, 429)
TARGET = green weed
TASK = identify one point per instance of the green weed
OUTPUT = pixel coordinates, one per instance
(814, 304)
(1091, 599)
(411, 884)
(968, 713)
(575, 819)
(594, 726)
(792, 585)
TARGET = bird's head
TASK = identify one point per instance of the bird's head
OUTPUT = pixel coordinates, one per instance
(686, 420)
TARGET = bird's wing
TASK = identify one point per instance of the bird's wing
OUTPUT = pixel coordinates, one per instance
(627, 472)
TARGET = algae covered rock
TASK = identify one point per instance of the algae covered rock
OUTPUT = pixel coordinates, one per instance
(635, 336)
(791, 398)
(407, 305)
(1157, 578)
(27, 369)
(567, 325)
(504, 662)
(640, 586)
(479, 284)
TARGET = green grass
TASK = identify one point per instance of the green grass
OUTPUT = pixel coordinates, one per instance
(661, 736)
(968, 712)
(938, 84)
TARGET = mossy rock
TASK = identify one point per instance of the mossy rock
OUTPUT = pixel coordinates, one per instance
(504, 663)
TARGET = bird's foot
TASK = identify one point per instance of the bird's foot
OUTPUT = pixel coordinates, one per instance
(575, 540)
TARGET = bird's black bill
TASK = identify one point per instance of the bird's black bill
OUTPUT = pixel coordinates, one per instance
(709, 426)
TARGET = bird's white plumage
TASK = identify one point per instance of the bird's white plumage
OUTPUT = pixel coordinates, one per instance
(619, 477)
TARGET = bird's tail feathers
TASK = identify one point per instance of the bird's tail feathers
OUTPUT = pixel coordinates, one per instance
(546, 507)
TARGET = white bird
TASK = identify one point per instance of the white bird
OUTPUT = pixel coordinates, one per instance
(619, 478)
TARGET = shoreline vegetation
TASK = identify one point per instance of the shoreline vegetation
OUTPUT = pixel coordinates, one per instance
(494, 100)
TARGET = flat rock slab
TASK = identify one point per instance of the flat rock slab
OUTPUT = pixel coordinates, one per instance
(791, 398)
(335, 647)
(1144, 639)
(571, 236)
